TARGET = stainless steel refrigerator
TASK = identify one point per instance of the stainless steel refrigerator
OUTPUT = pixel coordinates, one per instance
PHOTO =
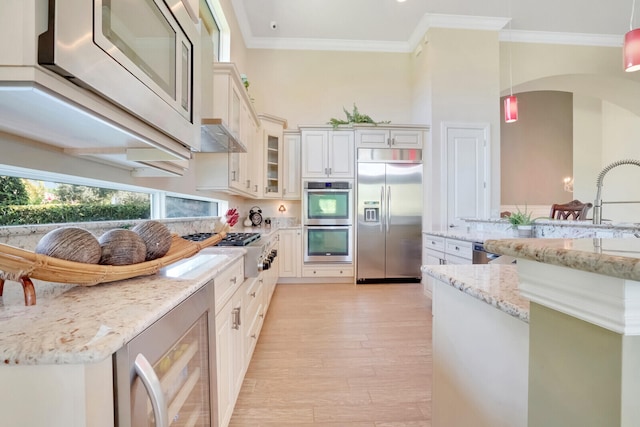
(389, 208)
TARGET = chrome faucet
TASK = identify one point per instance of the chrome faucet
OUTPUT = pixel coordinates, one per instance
(597, 205)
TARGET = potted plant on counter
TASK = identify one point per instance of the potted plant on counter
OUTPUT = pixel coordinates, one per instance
(522, 222)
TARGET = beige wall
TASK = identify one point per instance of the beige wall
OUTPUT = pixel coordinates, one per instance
(311, 87)
(537, 150)
(463, 75)
(606, 111)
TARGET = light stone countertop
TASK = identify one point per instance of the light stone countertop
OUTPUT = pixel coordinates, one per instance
(610, 257)
(470, 235)
(83, 324)
(495, 284)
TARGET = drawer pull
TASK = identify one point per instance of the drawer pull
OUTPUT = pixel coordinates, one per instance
(233, 280)
(253, 336)
(253, 294)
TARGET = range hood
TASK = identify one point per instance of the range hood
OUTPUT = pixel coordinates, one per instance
(217, 138)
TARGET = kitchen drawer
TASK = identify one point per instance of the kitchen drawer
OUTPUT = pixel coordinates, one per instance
(253, 331)
(227, 282)
(459, 248)
(456, 260)
(327, 271)
(253, 296)
(434, 242)
(432, 257)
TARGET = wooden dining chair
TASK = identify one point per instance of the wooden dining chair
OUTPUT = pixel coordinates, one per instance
(574, 209)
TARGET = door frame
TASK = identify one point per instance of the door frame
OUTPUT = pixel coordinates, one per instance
(445, 128)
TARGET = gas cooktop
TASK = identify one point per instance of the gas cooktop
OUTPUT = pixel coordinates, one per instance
(231, 239)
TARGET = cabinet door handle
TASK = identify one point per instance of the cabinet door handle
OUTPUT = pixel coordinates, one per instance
(256, 186)
(253, 336)
(151, 383)
(329, 171)
(248, 183)
(253, 294)
(235, 313)
(284, 191)
(233, 175)
(233, 280)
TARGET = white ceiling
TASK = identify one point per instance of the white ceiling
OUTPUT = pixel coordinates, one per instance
(386, 25)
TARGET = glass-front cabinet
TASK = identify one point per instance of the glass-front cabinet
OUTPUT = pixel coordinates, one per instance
(272, 130)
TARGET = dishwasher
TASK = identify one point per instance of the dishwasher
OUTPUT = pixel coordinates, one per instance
(481, 256)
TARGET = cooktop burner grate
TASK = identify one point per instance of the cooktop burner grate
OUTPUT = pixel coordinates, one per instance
(239, 239)
(231, 239)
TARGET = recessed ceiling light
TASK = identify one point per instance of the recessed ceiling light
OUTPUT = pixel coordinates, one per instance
(401, 1)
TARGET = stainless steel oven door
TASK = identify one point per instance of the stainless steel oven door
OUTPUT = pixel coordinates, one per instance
(327, 206)
(328, 244)
(139, 55)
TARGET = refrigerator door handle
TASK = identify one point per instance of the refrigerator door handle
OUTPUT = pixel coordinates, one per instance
(382, 213)
(388, 208)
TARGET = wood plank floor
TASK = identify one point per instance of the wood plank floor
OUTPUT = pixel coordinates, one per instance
(341, 355)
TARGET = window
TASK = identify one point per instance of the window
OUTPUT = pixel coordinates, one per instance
(180, 207)
(29, 200)
(216, 25)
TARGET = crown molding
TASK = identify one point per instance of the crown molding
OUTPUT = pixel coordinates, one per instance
(578, 39)
(428, 21)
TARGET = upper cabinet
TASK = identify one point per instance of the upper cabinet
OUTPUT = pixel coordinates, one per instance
(389, 137)
(291, 161)
(273, 156)
(146, 119)
(230, 139)
(327, 153)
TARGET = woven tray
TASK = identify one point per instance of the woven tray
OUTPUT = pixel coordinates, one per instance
(21, 266)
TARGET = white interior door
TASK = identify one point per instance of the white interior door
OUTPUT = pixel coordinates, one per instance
(467, 169)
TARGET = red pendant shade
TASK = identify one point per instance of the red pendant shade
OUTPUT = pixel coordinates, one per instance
(510, 109)
(631, 50)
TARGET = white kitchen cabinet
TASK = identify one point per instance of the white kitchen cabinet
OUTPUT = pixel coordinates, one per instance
(291, 184)
(254, 312)
(379, 137)
(328, 270)
(229, 356)
(290, 253)
(233, 172)
(273, 156)
(327, 154)
(241, 306)
(458, 251)
(58, 395)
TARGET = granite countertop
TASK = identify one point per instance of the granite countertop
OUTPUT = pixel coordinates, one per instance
(83, 324)
(610, 257)
(495, 284)
(470, 235)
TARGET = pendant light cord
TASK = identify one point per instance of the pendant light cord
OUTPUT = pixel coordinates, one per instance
(633, 10)
(510, 42)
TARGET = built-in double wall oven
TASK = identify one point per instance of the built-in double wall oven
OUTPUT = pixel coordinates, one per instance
(327, 221)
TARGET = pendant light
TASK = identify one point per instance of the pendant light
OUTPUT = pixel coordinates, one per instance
(510, 102)
(631, 48)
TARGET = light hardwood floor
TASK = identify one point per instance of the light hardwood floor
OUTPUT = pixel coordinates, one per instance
(341, 355)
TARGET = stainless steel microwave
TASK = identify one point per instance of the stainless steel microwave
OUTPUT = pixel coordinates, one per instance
(138, 54)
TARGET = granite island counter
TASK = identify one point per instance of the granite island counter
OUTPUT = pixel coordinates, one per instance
(582, 338)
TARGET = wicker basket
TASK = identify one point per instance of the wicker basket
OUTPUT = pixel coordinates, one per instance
(21, 265)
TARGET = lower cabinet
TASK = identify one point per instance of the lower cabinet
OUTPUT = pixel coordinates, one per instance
(238, 326)
(328, 270)
(458, 251)
(443, 250)
(229, 356)
(290, 253)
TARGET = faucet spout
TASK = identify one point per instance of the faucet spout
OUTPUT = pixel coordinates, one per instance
(597, 204)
